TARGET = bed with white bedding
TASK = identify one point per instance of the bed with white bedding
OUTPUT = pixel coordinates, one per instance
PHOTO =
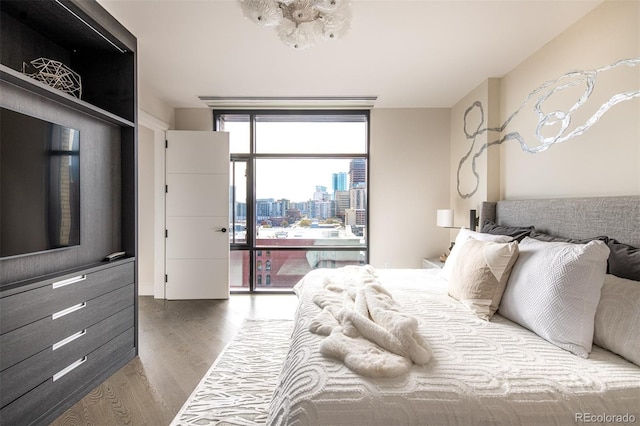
(536, 369)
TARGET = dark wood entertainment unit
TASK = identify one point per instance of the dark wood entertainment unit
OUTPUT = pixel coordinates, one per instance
(68, 319)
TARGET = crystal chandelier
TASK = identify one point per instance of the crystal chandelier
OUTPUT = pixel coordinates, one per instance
(300, 23)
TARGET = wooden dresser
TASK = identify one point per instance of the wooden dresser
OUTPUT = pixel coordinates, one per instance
(61, 334)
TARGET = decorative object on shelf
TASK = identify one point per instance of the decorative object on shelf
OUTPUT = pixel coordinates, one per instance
(300, 23)
(55, 74)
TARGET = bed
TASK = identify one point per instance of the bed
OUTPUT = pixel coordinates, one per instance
(509, 366)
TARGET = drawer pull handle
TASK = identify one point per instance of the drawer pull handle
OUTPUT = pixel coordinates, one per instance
(68, 281)
(69, 339)
(68, 310)
(69, 369)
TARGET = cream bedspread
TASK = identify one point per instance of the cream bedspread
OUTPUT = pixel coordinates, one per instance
(481, 373)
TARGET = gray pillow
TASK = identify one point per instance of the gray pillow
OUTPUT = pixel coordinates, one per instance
(554, 239)
(516, 232)
(624, 260)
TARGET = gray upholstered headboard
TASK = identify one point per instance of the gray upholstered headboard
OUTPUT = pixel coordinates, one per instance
(615, 217)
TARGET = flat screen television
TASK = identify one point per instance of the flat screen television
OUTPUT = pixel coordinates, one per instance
(39, 185)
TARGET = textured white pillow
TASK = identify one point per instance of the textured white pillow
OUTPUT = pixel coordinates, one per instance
(554, 290)
(462, 237)
(617, 322)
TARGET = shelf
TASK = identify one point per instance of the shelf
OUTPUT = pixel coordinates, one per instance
(84, 37)
(74, 25)
(32, 85)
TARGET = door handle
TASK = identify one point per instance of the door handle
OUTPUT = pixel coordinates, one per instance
(222, 230)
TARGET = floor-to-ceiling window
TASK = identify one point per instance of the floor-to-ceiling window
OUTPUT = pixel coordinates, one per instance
(299, 194)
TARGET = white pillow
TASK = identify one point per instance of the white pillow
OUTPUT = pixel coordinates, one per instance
(462, 237)
(617, 322)
(554, 290)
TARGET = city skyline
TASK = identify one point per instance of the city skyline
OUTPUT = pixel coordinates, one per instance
(342, 197)
(296, 179)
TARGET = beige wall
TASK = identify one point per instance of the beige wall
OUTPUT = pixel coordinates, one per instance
(154, 106)
(193, 119)
(603, 160)
(474, 179)
(409, 157)
(151, 154)
(146, 205)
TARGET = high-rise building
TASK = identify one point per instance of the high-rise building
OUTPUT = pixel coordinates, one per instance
(357, 172)
(303, 207)
(339, 182)
(241, 211)
(280, 207)
(358, 197)
(324, 209)
(355, 217)
(342, 200)
(263, 208)
(321, 194)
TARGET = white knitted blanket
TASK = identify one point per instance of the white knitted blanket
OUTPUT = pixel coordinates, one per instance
(365, 327)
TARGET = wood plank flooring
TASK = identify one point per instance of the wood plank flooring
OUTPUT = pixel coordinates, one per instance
(179, 340)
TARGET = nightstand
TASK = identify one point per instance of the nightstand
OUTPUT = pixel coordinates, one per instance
(432, 263)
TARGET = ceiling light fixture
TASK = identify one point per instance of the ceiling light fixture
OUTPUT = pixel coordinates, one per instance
(300, 23)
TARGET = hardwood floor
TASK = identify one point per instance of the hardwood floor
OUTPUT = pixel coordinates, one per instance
(179, 340)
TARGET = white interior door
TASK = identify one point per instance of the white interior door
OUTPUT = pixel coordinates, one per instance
(197, 215)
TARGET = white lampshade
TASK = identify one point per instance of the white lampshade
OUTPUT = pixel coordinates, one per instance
(445, 218)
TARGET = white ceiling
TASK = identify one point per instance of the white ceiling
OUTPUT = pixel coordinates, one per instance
(413, 53)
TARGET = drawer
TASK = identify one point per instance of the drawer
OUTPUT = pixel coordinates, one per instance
(33, 338)
(68, 290)
(30, 407)
(31, 372)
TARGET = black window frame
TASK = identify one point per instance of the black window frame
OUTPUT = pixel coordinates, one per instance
(251, 157)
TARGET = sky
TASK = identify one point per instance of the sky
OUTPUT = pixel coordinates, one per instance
(297, 180)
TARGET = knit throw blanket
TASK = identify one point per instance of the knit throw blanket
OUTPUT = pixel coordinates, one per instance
(365, 327)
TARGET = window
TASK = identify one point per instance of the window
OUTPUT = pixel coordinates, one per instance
(299, 193)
